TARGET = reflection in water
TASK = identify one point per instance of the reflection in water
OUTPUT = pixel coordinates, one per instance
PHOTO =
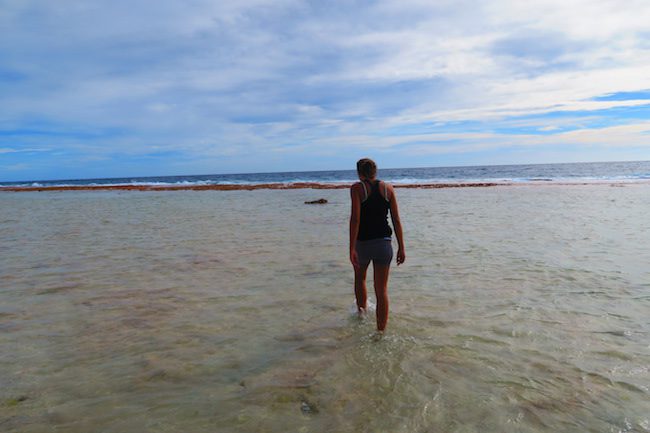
(520, 309)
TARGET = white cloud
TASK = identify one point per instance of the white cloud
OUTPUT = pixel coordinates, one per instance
(635, 135)
(12, 150)
(247, 77)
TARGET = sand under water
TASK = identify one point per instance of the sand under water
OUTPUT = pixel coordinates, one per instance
(519, 309)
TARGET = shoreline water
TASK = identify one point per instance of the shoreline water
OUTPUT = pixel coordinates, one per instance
(300, 185)
(518, 309)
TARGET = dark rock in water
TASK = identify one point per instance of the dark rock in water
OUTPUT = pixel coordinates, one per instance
(15, 401)
(319, 201)
(307, 407)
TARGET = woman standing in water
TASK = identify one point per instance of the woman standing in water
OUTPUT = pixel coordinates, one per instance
(370, 237)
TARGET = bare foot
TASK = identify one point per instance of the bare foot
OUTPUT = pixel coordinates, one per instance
(363, 313)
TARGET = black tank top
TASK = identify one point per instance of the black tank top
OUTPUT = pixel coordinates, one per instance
(374, 215)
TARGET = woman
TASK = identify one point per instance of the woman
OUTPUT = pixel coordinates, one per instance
(370, 237)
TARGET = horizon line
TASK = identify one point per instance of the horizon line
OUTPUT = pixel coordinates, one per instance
(317, 171)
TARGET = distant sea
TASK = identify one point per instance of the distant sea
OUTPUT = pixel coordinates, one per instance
(568, 172)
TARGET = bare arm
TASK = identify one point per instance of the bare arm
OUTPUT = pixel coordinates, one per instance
(355, 220)
(397, 225)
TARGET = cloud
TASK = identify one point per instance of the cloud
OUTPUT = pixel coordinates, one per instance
(622, 136)
(10, 150)
(258, 78)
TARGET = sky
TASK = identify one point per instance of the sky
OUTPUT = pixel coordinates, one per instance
(114, 88)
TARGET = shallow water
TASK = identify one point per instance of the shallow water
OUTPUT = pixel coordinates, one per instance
(520, 309)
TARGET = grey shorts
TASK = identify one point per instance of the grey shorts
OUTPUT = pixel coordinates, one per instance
(380, 251)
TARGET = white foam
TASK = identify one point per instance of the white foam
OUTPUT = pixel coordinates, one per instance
(370, 307)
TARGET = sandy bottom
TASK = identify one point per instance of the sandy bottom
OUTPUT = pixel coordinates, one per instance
(519, 309)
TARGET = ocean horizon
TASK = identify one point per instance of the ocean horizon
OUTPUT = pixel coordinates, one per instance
(556, 172)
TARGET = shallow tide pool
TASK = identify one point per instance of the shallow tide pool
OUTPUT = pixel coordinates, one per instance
(519, 309)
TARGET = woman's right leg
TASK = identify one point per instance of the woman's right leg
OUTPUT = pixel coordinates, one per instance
(360, 287)
(381, 291)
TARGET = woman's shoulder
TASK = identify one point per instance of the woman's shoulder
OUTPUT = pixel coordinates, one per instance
(386, 190)
(356, 189)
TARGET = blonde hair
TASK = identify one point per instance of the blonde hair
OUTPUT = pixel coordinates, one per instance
(367, 168)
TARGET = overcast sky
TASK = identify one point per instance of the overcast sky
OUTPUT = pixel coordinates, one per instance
(111, 88)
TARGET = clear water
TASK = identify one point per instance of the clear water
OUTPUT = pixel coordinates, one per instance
(519, 309)
(573, 172)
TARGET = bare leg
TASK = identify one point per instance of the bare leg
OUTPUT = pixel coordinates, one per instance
(360, 287)
(381, 291)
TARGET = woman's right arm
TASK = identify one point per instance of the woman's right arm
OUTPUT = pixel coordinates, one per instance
(397, 224)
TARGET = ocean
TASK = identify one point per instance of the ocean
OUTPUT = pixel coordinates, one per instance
(570, 172)
(520, 308)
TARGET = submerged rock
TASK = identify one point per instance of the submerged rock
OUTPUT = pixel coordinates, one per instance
(15, 401)
(319, 201)
(307, 407)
